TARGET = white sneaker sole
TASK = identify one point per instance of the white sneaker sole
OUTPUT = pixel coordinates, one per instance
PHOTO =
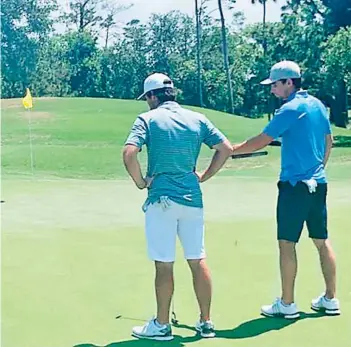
(335, 312)
(156, 338)
(206, 336)
(281, 315)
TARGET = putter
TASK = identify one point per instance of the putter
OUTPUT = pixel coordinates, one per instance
(174, 319)
(131, 318)
(249, 155)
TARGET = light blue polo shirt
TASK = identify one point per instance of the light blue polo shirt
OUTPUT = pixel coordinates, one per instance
(173, 137)
(303, 124)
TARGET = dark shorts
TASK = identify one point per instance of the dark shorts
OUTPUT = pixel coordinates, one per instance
(296, 205)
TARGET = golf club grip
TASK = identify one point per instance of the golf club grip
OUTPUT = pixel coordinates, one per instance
(249, 155)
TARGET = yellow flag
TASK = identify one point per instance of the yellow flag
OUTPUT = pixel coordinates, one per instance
(27, 100)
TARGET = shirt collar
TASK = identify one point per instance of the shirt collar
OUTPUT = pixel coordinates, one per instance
(301, 92)
(169, 105)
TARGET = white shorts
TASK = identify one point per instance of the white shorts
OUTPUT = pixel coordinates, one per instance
(163, 225)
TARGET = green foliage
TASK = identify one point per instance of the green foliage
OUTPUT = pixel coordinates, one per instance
(337, 56)
(52, 72)
(24, 25)
(83, 14)
(76, 63)
(68, 65)
(334, 14)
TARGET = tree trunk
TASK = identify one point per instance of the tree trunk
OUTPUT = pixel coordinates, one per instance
(340, 112)
(198, 53)
(81, 18)
(226, 58)
(107, 36)
(264, 3)
(338, 106)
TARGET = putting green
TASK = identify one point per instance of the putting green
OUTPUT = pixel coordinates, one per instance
(74, 258)
(73, 248)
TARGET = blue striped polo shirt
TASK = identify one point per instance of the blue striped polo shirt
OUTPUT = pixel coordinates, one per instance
(173, 137)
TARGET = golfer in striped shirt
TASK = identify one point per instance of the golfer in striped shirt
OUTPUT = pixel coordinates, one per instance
(173, 137)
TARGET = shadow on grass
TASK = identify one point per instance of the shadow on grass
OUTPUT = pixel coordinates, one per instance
(245, 330)
(176, 342)
(258, 326)
(342, 141)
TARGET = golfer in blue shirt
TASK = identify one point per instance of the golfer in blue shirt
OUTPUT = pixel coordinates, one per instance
(303, 125)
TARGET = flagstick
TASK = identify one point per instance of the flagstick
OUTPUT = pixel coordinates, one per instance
(30, 141)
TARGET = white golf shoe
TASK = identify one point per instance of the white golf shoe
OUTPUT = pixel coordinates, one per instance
(330, 307)
(278, 309)
(205, 329)
(152, 331)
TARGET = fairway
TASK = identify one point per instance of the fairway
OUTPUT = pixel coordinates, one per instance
(73, 247)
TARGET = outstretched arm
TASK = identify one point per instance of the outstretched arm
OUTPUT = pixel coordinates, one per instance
(252, 145)
(282, 121)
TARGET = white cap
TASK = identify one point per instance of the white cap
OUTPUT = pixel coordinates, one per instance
(156, 81)
(283, 70)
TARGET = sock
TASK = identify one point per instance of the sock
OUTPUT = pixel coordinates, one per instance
(158, 324)
(284, 304)
(202, 320)
(327, 299)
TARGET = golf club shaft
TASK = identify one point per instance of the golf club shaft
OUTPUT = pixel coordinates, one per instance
(173, 312)
(174, 316)
(249, 155)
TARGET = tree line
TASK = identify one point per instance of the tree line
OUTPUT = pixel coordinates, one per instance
(215, 63)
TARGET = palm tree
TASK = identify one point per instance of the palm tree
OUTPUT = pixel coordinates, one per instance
(264, 4)
(226, 57)
(198, 51)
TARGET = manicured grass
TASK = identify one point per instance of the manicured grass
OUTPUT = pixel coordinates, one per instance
(73, 248)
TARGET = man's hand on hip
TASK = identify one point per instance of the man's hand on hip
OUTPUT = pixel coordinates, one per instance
(141, 184)
(200, 176)
(144, 183)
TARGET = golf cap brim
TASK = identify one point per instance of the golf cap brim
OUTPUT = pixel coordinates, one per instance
(154, 82)
(281, 71)
(267, 82)
(142, 96)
